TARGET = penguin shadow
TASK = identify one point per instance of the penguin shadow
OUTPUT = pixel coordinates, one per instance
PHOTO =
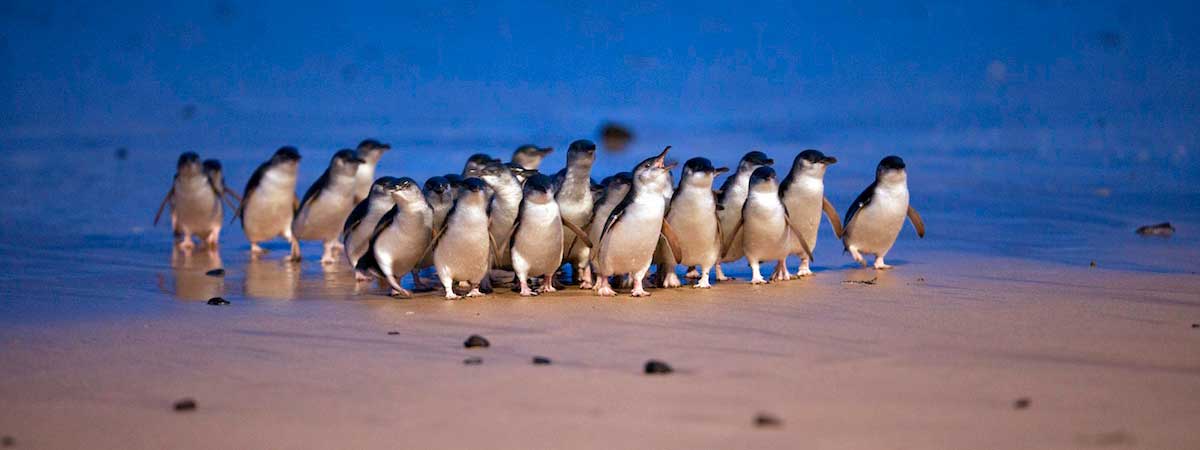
(271, 279)
(190, 280)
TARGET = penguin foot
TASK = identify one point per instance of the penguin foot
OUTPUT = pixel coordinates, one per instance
(702, 284)
(604, 290)
(882, 266)
(402, 292)
(639, 292)
(527, 292)
(256, 250)
(585, 284)
(450, 295)
(475, 293)
(671, 281)
(546, 287)
(360, 277)
(692, 273)
(186, 245)
(803, 272)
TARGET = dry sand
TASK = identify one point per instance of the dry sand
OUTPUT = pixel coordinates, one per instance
(935, 354)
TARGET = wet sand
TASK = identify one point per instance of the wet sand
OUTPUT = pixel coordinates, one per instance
(934, 354)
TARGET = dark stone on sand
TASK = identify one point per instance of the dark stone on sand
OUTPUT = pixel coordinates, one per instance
(1164, 229)
(656, 367)
(122, 153)
(7, 441)
(215, 273)
(473, 361)
(1022, 403)
(217, 301)
(541, 360)
(393, 333)
(476, 341)
(186, 404)
(1196, 325)
(766, 420)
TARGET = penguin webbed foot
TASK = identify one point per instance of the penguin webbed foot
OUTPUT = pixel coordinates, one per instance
(400, 293)
(475, 292)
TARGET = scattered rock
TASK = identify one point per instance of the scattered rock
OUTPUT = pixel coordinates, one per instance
(541, 360)
(656, 367)
(217, 301)
(473, 361)
(186, 404)
(615, 137)
(215, 273)
(866, 282)
(122, 153)
(1164, 229)
(767, 420)
(393, 333)
(7, 441)
(1022, 403)
(476, 341)
(1196, 325)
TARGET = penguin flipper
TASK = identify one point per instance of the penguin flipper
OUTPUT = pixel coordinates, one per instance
(832, 215)
(229, 191)
(915, 218)
(354, 220)
(313, 191)
(578, 232)
(799, 235)
(251, 186)
(861, 202)
(228, 201)
(672, 240)
(737, 229)
(163, 205)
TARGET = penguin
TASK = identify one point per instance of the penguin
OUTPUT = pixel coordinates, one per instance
(360, 225)
(615, 188)
(269, 202)
(506, 200)
(456, 183)
(327, 203)
(693, 214)
(537, 243)
(463, 247)
(196, 206)
(519, 172)
(369, 151)
(212, 169)
(439, 193)
(400, 237)
(530, 156)
(874, 219)
(765, 231)
(631, 231)
(731, 197)
(475, 163)
(803, 194)
(573, 192)
(664, 261)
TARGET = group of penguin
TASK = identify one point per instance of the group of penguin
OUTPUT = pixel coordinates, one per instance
(497, 218)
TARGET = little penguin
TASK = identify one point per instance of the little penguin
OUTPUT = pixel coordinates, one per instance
(269, 201)
(360, 225)
(573, 192)
(216, 175)
(401, 236)
(506, 200)
(475, 163)
(731, 197)
(439, 193)
(693, 216)
(631, 231)
(463, 247)
(327, 203)
(876, 216)
(803, 194)
(537, 243)
(195, 199)
(664, 261)
(765, 231)
(615, 188)
(370, 151)
(456, 183)
(530, 156)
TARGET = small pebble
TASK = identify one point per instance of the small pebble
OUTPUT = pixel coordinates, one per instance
(186, 404)
(765, 420)
(217, 301)
(122, 153)
(393, 333)
(541, 360)
(7, 441)
(1022, 403)
(473, 361)
(215, 273)
(1196, 325)
(656, 367)
(476, 341)
(1164, 229)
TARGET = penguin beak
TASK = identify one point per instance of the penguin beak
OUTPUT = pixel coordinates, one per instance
(546, 151)
(659, 160)
(720, 170)
(829, 160)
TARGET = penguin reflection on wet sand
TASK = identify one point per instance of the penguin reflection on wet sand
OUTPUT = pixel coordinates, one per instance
(196, 204)
(327, 203)
(360, 225)
(537, 243)
(463, 248)
(876, 216)
(765, 231)
(693, 216)
(370, 151)
(803, 194)
(530, 156)
(401, 236)
(731, 197)
(631, 231)
(269, 202)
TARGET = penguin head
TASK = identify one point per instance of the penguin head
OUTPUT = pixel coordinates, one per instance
(539, 189)
(188, 164)
(345, 162)
(700, 171)
(474, 190)
(212, 168)
(382, 186)
(581, 151)
(456, 183)
(437, 185)
(496, 173)
(406, 191)
(530, 156)
(654, 172)
(754, 160)
(520, 171)
(475, 163)
(286, 157)
(812, 162)
(371, 150)
(891, 170)
(763, 180)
